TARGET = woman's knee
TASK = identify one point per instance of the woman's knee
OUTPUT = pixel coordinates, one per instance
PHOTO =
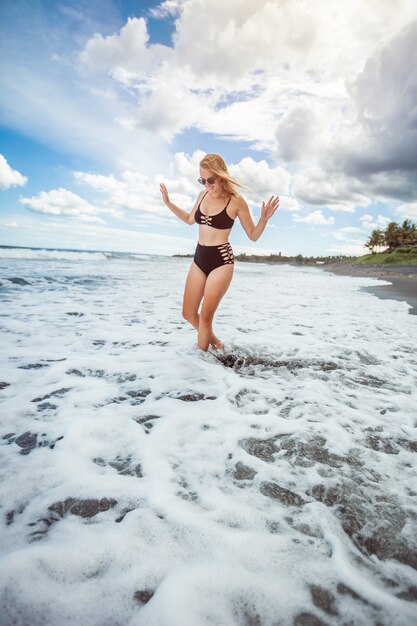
(206, 316)
(188, 315)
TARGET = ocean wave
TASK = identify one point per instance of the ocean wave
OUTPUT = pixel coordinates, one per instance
(56, 255)
(69, 255)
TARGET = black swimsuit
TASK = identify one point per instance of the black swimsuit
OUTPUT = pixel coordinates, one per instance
(208, 258)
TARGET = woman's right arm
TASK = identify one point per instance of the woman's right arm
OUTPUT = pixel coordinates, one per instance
(188, 218)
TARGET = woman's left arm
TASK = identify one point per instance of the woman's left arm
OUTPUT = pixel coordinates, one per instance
(268, 209)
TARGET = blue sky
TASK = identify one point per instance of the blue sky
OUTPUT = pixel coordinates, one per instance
(102, 100)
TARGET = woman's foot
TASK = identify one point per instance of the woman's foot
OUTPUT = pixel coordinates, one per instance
(217, 344)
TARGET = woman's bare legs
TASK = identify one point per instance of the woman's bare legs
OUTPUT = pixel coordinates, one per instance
(217, 284)
(193, 294)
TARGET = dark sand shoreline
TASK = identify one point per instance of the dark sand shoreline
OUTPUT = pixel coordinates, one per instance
(403, 279)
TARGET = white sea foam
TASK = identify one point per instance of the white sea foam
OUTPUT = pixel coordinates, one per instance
(147, 483)
(55, 255)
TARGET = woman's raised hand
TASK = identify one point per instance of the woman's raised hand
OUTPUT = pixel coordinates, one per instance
(164, 193)
(270, 207)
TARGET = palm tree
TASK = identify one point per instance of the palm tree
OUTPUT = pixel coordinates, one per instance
(392, 235)
(408, 232)
(374, 240)
(413, 234)
(381, 241)
(369, 243)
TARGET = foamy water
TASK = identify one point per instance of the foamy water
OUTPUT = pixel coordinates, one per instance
(145, 483)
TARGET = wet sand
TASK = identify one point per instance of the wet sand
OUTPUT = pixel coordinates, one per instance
(403, 279)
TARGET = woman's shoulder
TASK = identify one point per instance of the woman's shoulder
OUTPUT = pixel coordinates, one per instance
(197, 201)
(239, 201)
(201, 196)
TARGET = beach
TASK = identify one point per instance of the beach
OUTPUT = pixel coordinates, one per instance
(146, 483)
(402, 279)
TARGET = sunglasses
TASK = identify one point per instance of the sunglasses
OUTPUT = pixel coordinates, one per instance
(210, 181)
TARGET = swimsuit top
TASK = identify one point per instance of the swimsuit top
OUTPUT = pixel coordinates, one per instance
(221, 220)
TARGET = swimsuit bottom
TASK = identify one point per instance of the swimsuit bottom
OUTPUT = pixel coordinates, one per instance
(208, 258)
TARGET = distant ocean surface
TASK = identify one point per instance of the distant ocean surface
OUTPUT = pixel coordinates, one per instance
(145, 483)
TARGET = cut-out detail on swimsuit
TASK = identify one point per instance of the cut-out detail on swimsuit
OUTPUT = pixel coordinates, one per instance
(209, 258)
(227, 253)
(221, 220)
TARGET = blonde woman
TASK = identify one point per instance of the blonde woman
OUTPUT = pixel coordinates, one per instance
(211, 271)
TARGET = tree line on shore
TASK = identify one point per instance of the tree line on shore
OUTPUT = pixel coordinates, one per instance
(394, 236)
(299, 259)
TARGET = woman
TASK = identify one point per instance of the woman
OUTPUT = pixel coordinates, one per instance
(211, 271)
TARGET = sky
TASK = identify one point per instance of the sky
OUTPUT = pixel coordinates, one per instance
(101, 100)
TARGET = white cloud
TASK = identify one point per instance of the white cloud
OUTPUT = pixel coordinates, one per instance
(186, 166)
(378, 150)
(282, 37)
(290, 82)
(169, 8)
(48, 95)
(371, 222)
(353, 248)
(341, 105)
(10, 177)
(288, 203)
(316, 218)
(297, 132)
(347, 245)
(168, 109)
(336, 191)
(133, 191)
(77, 117)
(140, 193)
(385, 93)
(126, 55)
(107, 184)
(65, 203)
(262, 180)
(408, 210)
(350, 229)
(340, 236)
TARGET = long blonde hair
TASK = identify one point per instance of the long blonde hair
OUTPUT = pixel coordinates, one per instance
(216, 164)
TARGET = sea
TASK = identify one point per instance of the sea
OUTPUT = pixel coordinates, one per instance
(144, 482)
